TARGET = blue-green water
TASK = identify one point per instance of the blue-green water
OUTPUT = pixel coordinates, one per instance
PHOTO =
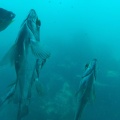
(74, 31)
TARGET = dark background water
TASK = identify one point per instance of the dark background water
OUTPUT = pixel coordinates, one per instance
(75, 32)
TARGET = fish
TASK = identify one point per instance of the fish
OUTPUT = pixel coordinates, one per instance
(89, 68)
(24, 55)
(7, 96)
(36, 77)
(86, 91)
(35, 80)
(6, 18)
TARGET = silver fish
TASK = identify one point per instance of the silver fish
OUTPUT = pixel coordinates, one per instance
(23, 55)
(35, 80)
(89, 68)
(7, 97)
(86, 90)
(35, 77)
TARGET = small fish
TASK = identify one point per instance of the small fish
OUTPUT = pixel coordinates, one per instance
(7, 97)
(6, 18)
(24, 55)
(35, 77)
(86, 90)
(89, 68)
